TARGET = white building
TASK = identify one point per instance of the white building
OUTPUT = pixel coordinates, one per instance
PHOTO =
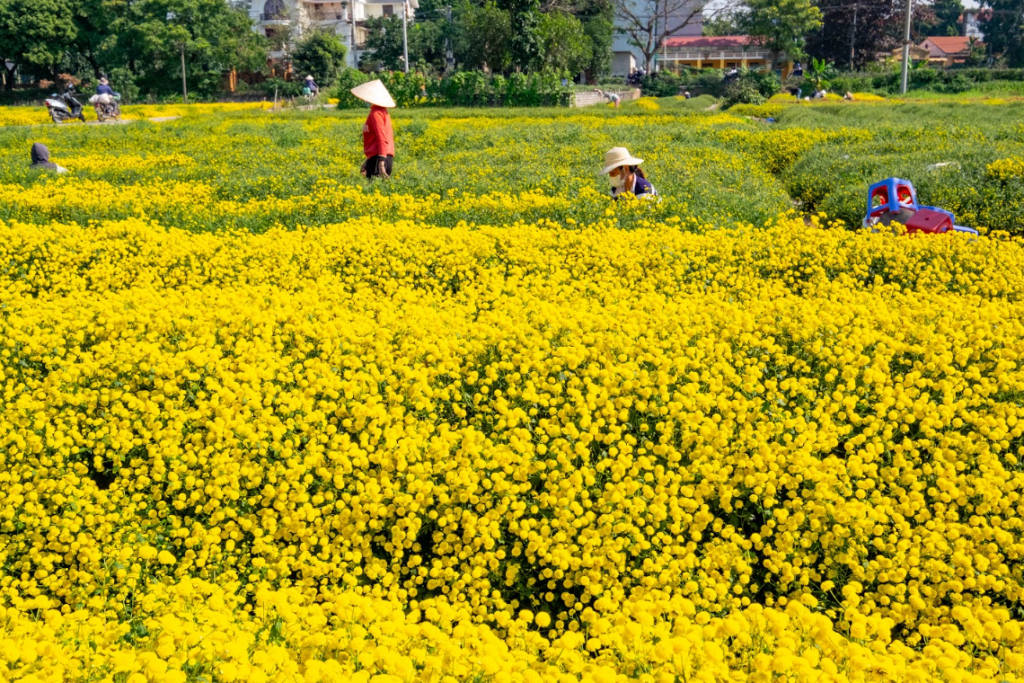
(347, 18)
(678, 17)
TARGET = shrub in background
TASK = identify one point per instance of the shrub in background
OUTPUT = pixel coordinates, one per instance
(464, 89)
(348, 79)
(661, 84)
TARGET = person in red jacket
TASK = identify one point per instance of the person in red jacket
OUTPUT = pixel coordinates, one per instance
(378, 137)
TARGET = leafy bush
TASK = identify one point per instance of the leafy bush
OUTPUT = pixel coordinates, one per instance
(959, 83)
(464, 89)
(281, 88)
(661, 84)
(952, 80)
(743, 91)
(348, 79)
(322, 55)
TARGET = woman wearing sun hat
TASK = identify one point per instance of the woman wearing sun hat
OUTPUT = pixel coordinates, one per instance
(378, 138)
(623, 169)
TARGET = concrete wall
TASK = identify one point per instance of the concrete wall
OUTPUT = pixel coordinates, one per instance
(590, 98)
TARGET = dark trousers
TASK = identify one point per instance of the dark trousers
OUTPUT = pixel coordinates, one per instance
(373, 162)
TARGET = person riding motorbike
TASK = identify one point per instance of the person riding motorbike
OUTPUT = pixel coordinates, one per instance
(105, 101)
(104, 88)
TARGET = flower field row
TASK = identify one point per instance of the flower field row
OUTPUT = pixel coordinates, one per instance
(255, 170)
(532, 452)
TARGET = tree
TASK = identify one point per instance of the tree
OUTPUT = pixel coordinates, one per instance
(320, 54)
(781, 25)
(384, 47)
(598, 18)
(483, 40)
(947, 17)
(35, 33)
(145, 39)
(646, 22)
(564, 45)
(721, 25)
(878, 29)
(524, 22)
(1004, 30)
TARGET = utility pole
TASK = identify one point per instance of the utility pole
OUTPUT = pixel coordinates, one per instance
(449, 58)
(184, 82)
(664, 40)
(172, 18)
(853, 34)
(405, 33)
(906, 51)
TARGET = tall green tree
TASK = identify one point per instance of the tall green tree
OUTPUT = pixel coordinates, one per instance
(524, 23)
(484, 38)
(598, 18)
(147, 38)
(384, 48)
(1004, 30)
(723, 24)
(947, 17)
(782, 25)
(320, 54)
(35, 34)
(564, 45)
(878, 28)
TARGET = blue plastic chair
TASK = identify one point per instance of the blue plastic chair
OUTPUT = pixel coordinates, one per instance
(891, 185)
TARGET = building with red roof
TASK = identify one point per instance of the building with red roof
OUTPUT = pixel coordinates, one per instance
(720, 52)
(948, 50)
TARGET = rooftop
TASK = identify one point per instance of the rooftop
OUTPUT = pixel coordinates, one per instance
(714, 42)
(950, 44)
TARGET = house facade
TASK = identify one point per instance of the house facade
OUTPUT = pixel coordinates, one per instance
(971, 21)
(719, 52)
(288, 20)
(946, 51)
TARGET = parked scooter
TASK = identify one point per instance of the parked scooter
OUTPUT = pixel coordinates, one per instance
(108, 107)
(65, 107)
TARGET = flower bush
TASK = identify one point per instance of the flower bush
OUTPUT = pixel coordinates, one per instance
(260, 423)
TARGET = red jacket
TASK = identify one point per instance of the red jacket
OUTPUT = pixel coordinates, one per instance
(378, 138)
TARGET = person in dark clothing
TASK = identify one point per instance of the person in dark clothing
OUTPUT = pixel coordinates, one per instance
(41, 159)
(310, 89)
(623, 170)
(104, 88)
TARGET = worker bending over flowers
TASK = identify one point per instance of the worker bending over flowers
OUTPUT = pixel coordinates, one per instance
(625, 174)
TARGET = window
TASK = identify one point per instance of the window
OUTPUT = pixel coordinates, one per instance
(389, 10)
(273, 9)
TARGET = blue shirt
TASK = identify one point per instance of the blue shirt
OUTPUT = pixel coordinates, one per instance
(105, 90)
(641, 188)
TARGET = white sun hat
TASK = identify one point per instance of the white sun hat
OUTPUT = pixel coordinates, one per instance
(616, 157)
(374, 92)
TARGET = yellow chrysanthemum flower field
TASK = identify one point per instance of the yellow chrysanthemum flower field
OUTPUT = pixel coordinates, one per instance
(261, 420)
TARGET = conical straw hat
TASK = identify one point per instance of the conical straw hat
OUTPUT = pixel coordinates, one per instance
(374, 92)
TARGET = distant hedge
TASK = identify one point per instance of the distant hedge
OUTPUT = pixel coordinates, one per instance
(462, 89)
(952, 80)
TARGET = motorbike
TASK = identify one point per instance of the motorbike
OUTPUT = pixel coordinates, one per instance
(108, 107)
(65, 107)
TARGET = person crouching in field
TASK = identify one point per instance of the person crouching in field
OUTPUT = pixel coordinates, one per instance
(613, 98)
(41, 159)
(623, 169)
(378, 137)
